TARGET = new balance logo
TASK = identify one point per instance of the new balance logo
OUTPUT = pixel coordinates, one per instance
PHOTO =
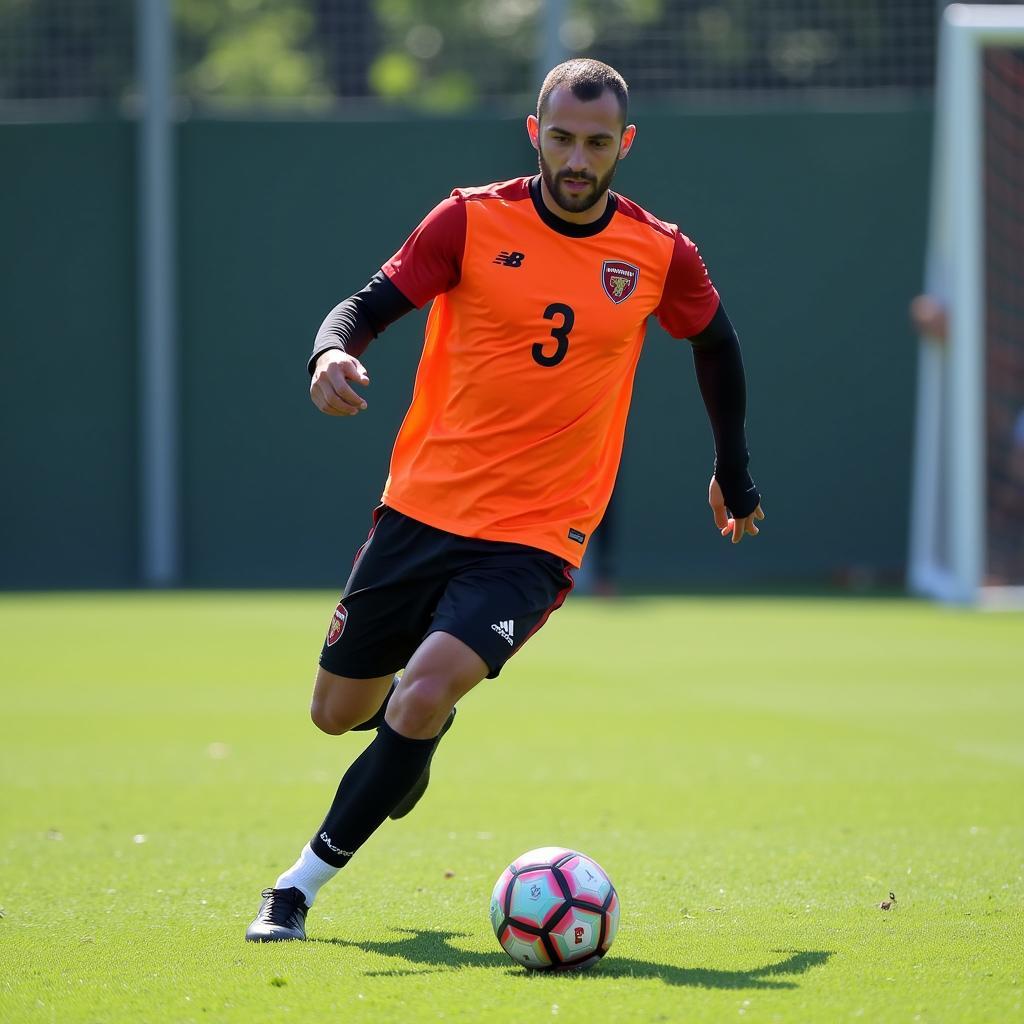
(510, 259)
(504, 630)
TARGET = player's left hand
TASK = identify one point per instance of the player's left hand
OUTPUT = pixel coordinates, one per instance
(727, 524)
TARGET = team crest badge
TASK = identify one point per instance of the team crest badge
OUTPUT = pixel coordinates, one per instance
(337, 624)
(619, 279)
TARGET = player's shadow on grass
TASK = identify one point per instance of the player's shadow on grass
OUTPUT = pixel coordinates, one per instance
(433, 949)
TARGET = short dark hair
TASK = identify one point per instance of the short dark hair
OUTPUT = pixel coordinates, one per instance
(587, 78)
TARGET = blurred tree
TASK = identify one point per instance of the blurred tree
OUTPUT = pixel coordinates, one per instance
(231, 49)
(249, 49)
(436, 54)
(439, 55)
(447, 55)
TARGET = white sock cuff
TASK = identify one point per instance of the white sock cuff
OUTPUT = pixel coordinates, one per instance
(308, 873)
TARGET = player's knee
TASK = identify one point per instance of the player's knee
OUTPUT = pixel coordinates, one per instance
(421, 705)
(327, 718)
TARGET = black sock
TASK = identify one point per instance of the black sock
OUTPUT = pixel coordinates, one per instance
(377, 717)
(377, 779)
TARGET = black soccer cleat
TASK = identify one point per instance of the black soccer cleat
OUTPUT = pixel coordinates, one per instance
(412, 798)
(282, 917)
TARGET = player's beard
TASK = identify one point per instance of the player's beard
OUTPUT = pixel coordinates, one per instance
(571, 203)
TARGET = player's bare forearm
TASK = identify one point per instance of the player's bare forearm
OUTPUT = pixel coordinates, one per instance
(329, 388)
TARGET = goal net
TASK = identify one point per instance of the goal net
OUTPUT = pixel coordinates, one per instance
(967, 517)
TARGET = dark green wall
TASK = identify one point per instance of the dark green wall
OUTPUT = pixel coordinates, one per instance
(67, 356)
(812, 225)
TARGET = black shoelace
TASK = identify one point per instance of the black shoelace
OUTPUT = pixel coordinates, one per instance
(280, 906)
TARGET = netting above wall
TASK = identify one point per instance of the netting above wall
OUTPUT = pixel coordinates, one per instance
(1003, 132)
(65, 49)
(772, 45)
(449, 56)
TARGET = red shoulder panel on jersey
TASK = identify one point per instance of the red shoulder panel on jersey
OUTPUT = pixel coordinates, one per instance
(627, 208)
(511, 190)
(689, 299)
(430, 261)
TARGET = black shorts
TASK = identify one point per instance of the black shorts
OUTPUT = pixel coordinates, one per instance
(409, 580)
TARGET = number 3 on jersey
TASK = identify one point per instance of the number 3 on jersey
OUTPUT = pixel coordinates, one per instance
(560, 334)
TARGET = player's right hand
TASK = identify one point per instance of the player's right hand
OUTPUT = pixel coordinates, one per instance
(329, 389)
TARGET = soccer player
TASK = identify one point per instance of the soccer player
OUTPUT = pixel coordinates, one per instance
(541, 288)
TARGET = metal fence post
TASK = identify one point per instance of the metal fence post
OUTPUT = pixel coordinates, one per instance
(158, 369)
(551, 50)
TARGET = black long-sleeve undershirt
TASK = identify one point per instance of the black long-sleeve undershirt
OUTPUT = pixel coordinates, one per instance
(356, 321)
(719, 368)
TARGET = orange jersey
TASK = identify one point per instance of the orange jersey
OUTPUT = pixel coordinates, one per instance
(519, 409)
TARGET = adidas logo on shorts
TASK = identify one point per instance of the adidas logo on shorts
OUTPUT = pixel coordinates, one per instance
(504, 630)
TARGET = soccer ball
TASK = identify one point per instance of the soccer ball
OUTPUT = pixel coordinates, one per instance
(554, 909)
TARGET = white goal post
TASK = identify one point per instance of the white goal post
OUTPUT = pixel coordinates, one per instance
(950, 552)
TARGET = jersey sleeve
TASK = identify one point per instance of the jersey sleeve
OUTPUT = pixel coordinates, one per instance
(430, 261)
(689, 299)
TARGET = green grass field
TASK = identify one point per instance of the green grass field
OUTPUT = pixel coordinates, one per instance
(755, 775)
